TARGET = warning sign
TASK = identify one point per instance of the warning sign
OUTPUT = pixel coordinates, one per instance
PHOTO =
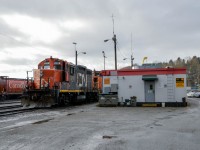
(179, 82)
(107, 81)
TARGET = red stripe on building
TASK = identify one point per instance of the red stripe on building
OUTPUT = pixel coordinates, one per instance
(154, 71)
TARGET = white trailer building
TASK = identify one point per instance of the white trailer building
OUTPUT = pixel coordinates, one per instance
(150, 87)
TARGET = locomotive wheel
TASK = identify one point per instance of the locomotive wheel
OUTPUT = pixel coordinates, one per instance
(64, 100)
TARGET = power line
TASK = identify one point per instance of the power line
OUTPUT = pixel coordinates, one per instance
(120, 50)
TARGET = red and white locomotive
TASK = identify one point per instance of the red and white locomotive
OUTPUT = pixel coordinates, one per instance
(58, 82)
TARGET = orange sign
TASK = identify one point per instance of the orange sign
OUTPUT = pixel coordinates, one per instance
(107, 81)
(179, 82)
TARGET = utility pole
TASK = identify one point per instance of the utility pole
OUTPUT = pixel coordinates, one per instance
(132, 61)
(104, 58)
(75, 64)
(75, 53)
(115, 50)
(76, 68)
(115, 43)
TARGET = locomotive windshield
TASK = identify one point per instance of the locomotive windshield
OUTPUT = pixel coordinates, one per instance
(46, 65)
(57, 65)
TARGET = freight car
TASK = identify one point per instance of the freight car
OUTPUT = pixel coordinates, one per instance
(11, 88)
(58, 82)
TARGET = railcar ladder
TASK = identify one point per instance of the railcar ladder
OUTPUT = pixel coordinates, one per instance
(170, 88)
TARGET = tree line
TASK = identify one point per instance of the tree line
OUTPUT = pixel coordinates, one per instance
(192, 64)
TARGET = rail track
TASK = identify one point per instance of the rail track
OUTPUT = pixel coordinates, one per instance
(12, 107)
(9, 102)
(5, 107)
(14, 111)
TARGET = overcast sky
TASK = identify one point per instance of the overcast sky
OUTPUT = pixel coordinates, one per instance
(32, 30)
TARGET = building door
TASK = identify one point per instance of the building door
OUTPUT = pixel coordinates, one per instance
(149, 91)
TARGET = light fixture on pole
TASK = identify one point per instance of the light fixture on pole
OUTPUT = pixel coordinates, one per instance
(104, 56)
(76, 57)
(115, 48)
(131, 60)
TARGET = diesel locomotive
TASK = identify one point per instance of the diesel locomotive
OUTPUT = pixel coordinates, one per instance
(58, 82)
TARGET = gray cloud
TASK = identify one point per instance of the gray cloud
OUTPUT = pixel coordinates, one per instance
(16, 61)
(161, 29)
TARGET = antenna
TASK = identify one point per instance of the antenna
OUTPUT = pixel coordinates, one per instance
(131, 44)
(131, 51)
(113, 24)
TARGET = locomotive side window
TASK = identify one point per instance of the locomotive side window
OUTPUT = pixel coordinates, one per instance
(40, 67)
(57, 65)
(71, 70)
(46, 65)
(66, 67)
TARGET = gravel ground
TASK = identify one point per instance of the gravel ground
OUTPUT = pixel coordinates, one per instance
(89, 127)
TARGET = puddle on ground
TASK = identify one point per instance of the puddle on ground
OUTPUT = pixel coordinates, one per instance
(108, 136)
(70, 114)
(42, 121)
(157, 124)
